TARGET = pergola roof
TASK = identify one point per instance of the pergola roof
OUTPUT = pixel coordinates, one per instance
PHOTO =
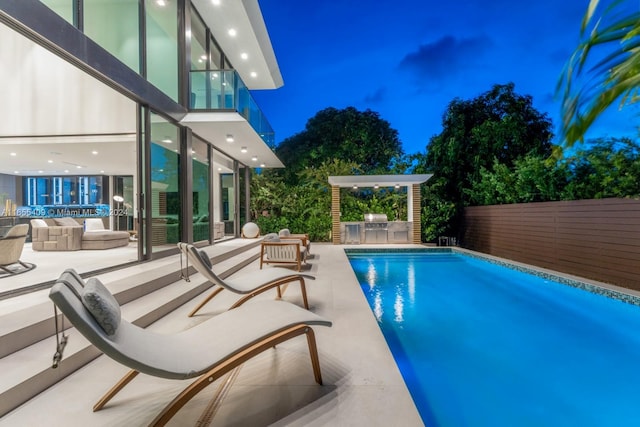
(379, 180)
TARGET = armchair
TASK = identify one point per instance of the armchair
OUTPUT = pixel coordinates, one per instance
(11, 246)
(286, 251)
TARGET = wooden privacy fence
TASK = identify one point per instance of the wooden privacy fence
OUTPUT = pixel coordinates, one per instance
(596, 239)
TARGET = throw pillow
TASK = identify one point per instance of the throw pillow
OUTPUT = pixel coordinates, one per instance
(204, 257)
(39, 223)
(102, 305)
(66, 221)
(271, 237)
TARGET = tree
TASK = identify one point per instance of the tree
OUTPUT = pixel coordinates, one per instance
(607, 168)
(360, 137)
(497, 125)
(616, 77)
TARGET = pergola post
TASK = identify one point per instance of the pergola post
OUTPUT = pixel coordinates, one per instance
(335, 214)
(416, 217)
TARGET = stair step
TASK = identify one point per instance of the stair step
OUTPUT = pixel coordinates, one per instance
(27, 369)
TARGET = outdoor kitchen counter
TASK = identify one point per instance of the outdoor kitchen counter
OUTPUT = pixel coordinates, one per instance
(353, 232)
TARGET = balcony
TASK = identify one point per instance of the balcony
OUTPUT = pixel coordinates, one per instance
(224, 90)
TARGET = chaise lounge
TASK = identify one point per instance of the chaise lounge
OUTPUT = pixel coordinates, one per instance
(248, 285)
(205, 352)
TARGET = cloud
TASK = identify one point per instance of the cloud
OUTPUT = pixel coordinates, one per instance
(444, 57)
(376, 97)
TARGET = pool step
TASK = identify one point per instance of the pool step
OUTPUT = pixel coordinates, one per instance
(27, 337)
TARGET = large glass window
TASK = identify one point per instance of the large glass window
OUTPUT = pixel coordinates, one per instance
(223, 206)
(165, 184)
(114, 25)
(63, 8)
(201, 190)
(162, 45)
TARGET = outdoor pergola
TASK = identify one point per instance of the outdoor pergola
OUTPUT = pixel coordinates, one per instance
(412, 182)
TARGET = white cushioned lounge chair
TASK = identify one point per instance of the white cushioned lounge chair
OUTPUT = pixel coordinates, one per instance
(249, 285)
(205, 352)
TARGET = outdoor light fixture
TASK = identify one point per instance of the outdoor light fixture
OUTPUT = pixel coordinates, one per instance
(118, 199)
(397, 185)
(355, 187)
(375, 186)
(243, 149)
(229, 138)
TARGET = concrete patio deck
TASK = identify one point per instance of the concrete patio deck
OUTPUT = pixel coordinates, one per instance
(362, 384)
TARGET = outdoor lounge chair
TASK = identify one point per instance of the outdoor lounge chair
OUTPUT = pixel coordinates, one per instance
(282, 251)
(11, 245)
(205, 352)
(248, 285)
(285, 234)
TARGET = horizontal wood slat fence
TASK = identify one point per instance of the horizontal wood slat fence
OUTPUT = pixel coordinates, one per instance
(596, 239)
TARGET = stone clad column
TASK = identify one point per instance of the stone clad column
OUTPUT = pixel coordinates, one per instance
(416, 217)
(335, 214)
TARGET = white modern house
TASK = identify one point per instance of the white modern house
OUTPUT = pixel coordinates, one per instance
(147, 101)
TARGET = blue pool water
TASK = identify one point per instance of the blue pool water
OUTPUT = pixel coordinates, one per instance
(483, 345)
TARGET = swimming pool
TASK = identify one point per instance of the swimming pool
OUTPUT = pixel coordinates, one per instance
(479, 344)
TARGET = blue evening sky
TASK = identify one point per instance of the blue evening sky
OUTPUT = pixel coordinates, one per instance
(407, 59)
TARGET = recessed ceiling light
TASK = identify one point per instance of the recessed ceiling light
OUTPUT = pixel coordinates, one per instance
(375, 186)
(16, 171)
(49, 161)
(355, 187)
(397, 185)
(229, 138)
(94, 152)
(13, 154)
(215, 2)
(203, 57)
(101, 171)
(161, 3)
(66, 171)
(232, 32)
(254, 74)
(244, 55)
(219, 169)
(254, 158)
(243, 149)
(262, 165)
(79, 167)
(167, 141)
(40, 171)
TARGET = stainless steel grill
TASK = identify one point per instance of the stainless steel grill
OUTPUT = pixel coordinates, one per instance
(375, 228)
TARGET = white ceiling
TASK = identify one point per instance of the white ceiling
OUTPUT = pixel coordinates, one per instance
(55, 116)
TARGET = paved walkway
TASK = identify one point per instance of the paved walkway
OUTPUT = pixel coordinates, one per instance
(363, 386)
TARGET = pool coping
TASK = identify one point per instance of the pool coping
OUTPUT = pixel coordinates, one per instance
(625, 295)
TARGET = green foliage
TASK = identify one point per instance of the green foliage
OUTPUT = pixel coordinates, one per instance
(499, 126)
(589, 89)
(361, 137)
(607, 168)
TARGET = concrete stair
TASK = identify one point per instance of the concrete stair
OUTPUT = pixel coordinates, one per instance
(146, 293)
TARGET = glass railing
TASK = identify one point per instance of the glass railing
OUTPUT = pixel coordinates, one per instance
(224, 90)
